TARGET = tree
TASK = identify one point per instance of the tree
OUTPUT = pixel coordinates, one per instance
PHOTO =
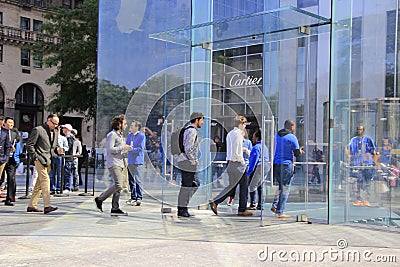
(75, 58)
(114, 100)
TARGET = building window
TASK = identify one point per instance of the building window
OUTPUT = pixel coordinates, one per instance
(392, 87)
(25, 23)
(37, 25)
(1, 53)
(67, 4)
(38, 3)
(356, 57)
(25, 57)
(29, 94)
(37, 60)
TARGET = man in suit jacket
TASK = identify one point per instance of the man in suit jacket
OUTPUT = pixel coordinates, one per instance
(5, 146)
(11, 165)
(42, 147)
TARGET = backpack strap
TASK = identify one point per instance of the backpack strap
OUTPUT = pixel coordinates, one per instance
(182, 135)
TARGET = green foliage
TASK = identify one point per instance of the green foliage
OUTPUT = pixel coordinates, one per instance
(113, 100)
(75, 58)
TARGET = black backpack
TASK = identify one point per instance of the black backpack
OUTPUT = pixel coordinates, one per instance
(177, 140)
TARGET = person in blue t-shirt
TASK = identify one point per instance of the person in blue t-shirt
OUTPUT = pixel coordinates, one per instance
(286, 145)
(362, 149)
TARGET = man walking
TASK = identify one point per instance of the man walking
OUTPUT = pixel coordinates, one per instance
(137, 140)
(187, 162)
(11, 165)
(236, 168)
(116, 148)
(5, 149)
(286, 145)
(42, 147)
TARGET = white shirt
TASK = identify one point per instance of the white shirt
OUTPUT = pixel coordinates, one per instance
(234, 149)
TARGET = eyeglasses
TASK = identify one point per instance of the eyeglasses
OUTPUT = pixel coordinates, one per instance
(55, 124)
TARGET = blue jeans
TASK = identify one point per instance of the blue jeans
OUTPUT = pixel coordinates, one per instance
(135, 181)
(283, 174)
(55, 174)
(68, 175)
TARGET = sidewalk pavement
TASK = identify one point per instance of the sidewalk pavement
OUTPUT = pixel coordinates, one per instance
(78, 235)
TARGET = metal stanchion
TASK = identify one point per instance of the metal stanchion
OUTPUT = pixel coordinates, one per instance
(28, 175)
(87, 178)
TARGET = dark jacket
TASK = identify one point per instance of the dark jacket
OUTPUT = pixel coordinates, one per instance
(5, 146)
(39, 145)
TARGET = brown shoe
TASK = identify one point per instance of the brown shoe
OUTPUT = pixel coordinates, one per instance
(213, 207)
(32, 209)
(251, 208)
(282, 216)
(245, 213)
(49, 209)
(273, 209)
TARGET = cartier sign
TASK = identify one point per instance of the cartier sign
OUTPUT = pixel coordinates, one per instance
(237, 81)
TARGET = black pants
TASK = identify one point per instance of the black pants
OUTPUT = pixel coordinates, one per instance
(237, 176)
(10, 169)
(188, 187)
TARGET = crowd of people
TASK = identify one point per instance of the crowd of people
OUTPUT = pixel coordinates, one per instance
(47, 149)
(54, 150)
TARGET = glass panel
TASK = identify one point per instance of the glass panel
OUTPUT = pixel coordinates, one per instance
(363, 160)
(234, 29)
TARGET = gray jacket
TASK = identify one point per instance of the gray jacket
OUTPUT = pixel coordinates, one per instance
(115, 148)
(39, 145)
(191, 145)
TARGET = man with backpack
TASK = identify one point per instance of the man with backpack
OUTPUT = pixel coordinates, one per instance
(187, 162)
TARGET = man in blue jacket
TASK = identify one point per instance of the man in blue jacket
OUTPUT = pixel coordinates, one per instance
(286, 145)
(137, 140)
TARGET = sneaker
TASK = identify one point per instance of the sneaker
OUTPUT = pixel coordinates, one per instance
(131, 202)
(251, 207)
(366, 203)
(138, 202)
(230, 201)
(118, 212)
(358, 203)
(99, 204)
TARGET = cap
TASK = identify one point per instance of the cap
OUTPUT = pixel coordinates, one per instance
(24, 135)
(196, 115)
(68, 126)
(74, 131)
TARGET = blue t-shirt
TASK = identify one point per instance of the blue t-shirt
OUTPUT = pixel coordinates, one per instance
(361, 150)
(284, 147)
(247, 144)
